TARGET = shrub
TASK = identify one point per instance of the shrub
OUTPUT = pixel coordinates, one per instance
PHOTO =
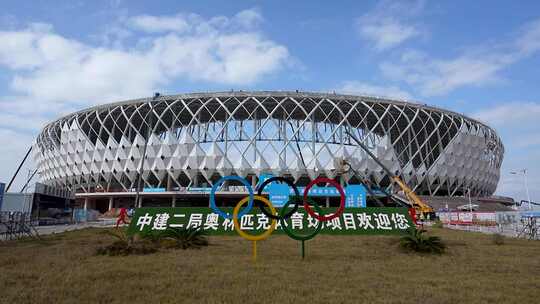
(125, 245)
(416, 241)
(120, 248)
(190, 238)
(172, 238)
(154, 238)
(498, 239)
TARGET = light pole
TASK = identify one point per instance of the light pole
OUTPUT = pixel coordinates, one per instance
(524, 171)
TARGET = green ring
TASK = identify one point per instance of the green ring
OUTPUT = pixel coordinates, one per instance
(301, 237)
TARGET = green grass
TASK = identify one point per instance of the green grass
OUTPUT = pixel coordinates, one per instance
(337, 269)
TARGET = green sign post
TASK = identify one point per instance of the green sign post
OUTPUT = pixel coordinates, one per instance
(352, 221)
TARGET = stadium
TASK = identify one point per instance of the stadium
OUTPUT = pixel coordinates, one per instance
(171, 149)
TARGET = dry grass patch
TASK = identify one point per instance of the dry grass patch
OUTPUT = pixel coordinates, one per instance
(337, 269)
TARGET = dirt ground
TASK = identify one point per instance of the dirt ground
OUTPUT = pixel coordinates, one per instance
(338, 269)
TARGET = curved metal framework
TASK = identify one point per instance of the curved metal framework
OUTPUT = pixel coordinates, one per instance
(197, 138)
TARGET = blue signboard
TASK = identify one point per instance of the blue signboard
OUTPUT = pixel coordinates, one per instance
(154, 189)
(2, 189)
(278, 194)
(199, 189)
(355, 196)
(319, 191)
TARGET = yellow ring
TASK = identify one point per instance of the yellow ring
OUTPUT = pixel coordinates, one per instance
(250, 236)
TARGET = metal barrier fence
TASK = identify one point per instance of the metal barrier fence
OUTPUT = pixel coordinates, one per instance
(15, 225)
(511, 223)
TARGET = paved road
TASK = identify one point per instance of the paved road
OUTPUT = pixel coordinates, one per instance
(44, 230)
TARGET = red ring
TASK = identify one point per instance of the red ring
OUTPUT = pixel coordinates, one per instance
(333, 183)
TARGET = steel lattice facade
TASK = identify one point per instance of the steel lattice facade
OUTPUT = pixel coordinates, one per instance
(193, 139)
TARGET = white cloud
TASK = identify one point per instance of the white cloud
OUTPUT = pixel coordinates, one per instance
(15, 121)
(219, 50)
(477, 67)
(248, 18)
(92, 75)
(51, 68)
(529, 40)
(154, 24)
(388, 24)
(386, 34)
(21, 51)
(435, 77)
(357, 87)
(182, 23)
(239, 58)
(511, 114)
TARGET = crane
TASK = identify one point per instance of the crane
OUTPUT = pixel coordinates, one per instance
(414, 200)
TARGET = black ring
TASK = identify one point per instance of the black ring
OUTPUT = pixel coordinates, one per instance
(262, 207)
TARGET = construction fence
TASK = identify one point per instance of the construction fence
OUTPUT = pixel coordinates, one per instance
(15, 225)
(520, 224)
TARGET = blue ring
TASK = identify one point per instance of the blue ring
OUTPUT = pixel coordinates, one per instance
(213, 196)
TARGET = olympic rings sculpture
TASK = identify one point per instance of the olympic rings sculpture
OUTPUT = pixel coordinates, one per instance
(260, 201)
(261, 206)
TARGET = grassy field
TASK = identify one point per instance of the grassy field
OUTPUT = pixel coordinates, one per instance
(338, 269)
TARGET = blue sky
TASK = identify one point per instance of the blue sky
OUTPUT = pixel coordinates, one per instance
(480, 58)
